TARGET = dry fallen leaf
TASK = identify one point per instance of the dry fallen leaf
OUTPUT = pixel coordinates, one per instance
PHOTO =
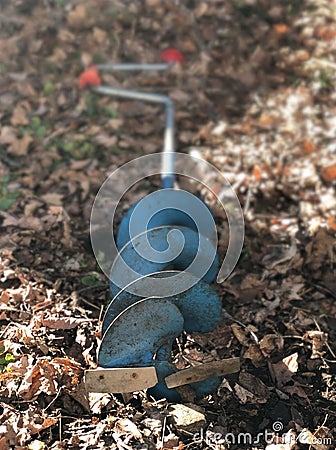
(332, 223)
(270, 343)
(308, 147)
(19, 116)
(257, 174)
(53, 199)
(47, 423)
(61, 323)
(20, 146)
(58, 57)
(254, 354)
(329, 173)
(98, 401)
(280, 28)
(328, 33)
(41, 378)
(319, 340)
(7, 135)
(284, 370)
(255, 386)
(240, 334)
(125, 426)
(296, 389)
(243, 394)
(76, 18)
(100, 36)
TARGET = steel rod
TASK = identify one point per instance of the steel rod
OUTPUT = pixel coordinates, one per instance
(167, 168)
(134, 66)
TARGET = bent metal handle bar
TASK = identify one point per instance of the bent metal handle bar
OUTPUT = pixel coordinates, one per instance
(167, 165)
(91, 78)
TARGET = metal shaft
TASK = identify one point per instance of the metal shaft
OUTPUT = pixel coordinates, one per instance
(167, 164)
(134, 66)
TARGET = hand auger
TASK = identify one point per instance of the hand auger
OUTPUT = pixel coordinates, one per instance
(139, 328)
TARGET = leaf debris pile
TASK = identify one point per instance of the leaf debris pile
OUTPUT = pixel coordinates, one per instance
(256, 98)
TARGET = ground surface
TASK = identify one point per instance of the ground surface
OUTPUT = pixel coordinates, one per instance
(255, 97)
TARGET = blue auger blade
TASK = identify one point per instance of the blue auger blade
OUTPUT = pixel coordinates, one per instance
(135, 335)
(200, 305)
(150, 252)
(164, 208)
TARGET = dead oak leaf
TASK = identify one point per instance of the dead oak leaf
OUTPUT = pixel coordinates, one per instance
(3, 439)
(61, 323)
(20, 146)
(58, 57)
(243, 394)
(19, 116)
(126, 426)
(319, 339)
(41, 378)
(270, 343)
(329, 173)
(68, 366)
(240, 334)
(77, 17)
(98, 401)
(78, 392)
(18, 426)
(254, 354)
(254, 385)
(53, 199)
(296, 389)
(100, 36)
(284, 370)
(47, 423)
(7, 135)
(319, 251)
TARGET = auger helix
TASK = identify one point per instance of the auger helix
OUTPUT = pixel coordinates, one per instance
(138, 328)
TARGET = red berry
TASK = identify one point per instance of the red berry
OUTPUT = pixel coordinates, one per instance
(172, 55)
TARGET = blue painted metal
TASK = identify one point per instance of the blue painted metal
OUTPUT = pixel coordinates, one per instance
(184, 242)
(136, 334)
(140, 331)
(143, 335)
(167, 207)
(200, 305)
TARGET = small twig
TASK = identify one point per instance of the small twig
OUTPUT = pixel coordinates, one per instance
(324, 289)
(163, 430)
(331, 352)
(293, 337)
(227, 315)
(54, 399)
(100, 313)
(90, 304)
(87, 288)
(248, 201)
